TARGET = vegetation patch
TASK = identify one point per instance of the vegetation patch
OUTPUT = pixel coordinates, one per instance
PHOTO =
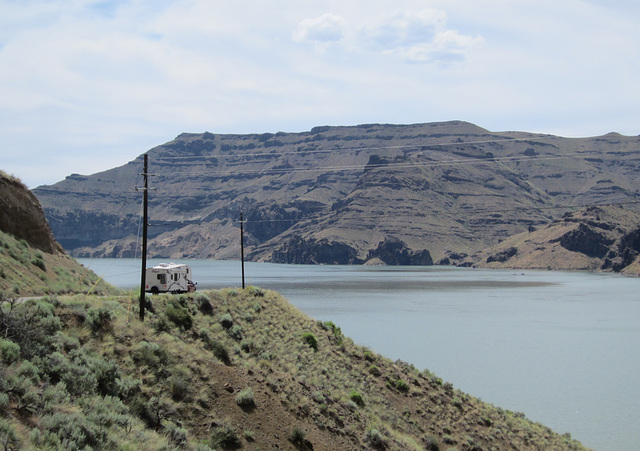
(245, 398)
(310, 340)
(82, 372)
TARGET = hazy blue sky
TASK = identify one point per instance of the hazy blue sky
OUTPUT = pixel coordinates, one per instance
(89, 85)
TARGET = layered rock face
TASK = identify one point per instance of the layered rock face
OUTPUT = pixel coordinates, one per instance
(394, 194)
(21, 215)
(595, 238)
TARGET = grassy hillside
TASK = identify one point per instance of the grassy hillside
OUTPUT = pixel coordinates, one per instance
(225, 370)
(26, 271)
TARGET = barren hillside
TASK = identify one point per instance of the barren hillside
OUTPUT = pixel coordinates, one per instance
(342, 194)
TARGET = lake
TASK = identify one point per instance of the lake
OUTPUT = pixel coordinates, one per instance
(562, 347)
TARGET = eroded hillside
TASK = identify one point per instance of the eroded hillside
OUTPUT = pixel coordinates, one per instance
(595, 239)
(342, 194)
(31, 261)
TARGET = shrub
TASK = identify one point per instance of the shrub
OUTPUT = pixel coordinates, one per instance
(161, 324)
(204, 304)
(226, 437)
(74, 430)
(245, 398)
(431, 443)
(356, 397)
(235, 332)
(335, 330)
(177, 436)
(247, 345)
(219, 350)
(255, 291)
(402, 386)
(28, 370)
(107, 374)
(226, 321)
(29, 400)
(8, 437)
(180, 384)
(152, 412)
(39, 263)
(179, 316)
(248, 435)
(150, 355)
(31, 325)
(128, 387)
(4, 403)
(73, 371)
(297, 436)
(374, 371)
(486, 421)
(319, 397)
(66, 343)
(311, 340)
(375, 438)
(99, 320)
(9, 351)
(53, 396)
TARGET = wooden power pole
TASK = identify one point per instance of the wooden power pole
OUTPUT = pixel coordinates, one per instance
(145, 221)
(242, 247)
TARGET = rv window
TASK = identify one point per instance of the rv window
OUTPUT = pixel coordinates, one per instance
(162, 278)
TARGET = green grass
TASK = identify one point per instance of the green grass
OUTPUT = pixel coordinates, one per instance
(29, 272)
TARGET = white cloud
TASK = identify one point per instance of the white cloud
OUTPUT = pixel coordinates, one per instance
(325, 28)
(416, 36)
(445, 48)
(82, 82)
(404, 29)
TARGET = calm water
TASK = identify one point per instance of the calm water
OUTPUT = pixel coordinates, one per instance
(561, 347)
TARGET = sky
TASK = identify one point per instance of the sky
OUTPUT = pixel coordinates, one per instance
(89, 85)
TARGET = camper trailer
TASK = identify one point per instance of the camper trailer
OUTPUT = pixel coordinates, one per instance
(169, 278)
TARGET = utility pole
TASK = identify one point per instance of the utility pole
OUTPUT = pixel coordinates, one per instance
(145, 220)
(242, 247)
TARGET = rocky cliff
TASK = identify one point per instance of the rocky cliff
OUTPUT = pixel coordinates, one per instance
(21, 215)
(437, 191)
(32, 263)
(595, 238)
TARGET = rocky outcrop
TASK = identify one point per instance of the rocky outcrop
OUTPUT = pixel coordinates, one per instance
(300, 250)
(628, 250)
(21, 215)
(586, 240)
(595, 238)
(503, 256)
(393, 251)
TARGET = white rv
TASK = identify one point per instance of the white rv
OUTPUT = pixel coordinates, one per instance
(169, 278)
